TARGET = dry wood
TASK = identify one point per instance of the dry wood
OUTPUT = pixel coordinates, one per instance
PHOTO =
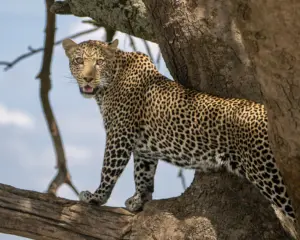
(212, 208)
(42, 216)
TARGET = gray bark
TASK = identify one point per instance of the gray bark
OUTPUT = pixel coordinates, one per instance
(128, 16)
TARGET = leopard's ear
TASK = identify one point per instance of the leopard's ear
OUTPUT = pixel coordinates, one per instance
(110, 50)
(68, 45)
(114, 44)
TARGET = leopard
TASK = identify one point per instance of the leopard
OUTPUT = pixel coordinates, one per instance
(151, 117)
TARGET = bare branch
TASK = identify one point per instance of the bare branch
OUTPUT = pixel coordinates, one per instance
(158, 58)
(40, 216)
(94, 23)
(33, 51)
(181, 176)
(63, 175)
(132, 44)
(148, 50)
(5, 63)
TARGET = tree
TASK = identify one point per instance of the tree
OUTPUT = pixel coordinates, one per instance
(236, 48)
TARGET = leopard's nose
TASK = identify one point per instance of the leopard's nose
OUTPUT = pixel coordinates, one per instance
(88, 79)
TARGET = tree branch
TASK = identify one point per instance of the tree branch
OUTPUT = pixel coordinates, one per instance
(33, 51)
(63, 175)
(41, 216)
(126, 16)
(148, 50)
(182, 178)
(216, 206)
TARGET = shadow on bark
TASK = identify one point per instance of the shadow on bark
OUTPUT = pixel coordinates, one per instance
(216, 206)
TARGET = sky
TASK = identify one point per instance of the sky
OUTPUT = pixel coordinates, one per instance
(26, 153)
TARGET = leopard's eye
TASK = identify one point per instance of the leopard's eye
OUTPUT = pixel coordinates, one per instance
(79, 60)
(99, 62)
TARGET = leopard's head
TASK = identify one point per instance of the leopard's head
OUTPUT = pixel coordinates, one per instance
(90, 63)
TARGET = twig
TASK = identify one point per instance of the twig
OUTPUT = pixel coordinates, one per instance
(181, 176)
(33, 51)
(148, 50)
(132, 44)
(158, 58)
(63, 175)
(94, 23)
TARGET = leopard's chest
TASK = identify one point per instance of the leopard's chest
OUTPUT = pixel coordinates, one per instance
(118, 108)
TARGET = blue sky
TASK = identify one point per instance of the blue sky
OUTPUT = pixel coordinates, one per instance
(26, 152)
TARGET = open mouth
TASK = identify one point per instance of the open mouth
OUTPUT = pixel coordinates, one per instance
(88, 90)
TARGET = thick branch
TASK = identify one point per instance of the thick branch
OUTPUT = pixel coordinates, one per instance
(125, 16)
(217, 206)
(40, 216)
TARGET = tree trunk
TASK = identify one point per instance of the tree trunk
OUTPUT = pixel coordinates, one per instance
(271, 31)
(203, 48)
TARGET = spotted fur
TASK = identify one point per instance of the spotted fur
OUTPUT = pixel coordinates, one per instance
(155, 118)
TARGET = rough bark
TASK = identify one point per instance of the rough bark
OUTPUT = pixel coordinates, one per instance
(194, 215)
(203, 48)
(205, 211)
(125, 16)
(42, 216)
(271, 33)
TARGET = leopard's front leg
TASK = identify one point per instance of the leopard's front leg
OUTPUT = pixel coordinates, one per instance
(117, 154)
(144, 171)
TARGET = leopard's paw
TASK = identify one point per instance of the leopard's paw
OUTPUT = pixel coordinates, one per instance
(137, 201)
(85, 196)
